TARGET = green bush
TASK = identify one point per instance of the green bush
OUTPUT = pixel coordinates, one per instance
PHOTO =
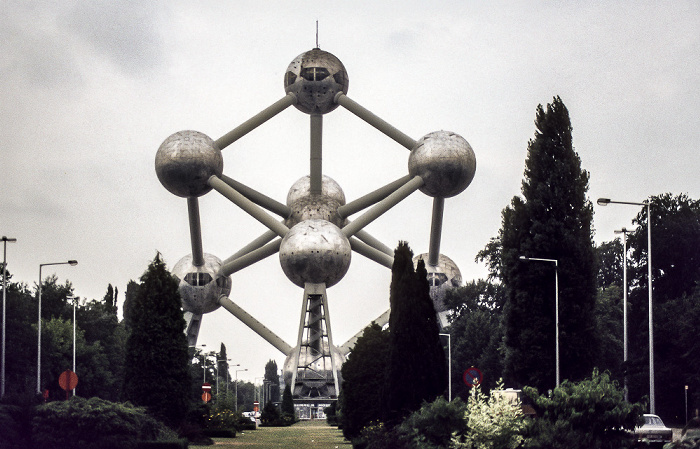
(587, 414)
(81, 423)
(175, 444)
(433, 425)
(15, 422)
(492, 422)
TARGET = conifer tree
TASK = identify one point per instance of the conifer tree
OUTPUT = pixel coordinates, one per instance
(552, 220)
(156, 369)
(417, 369)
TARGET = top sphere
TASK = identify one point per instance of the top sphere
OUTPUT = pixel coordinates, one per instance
(315, 77)
(445, 161)
(185, 161)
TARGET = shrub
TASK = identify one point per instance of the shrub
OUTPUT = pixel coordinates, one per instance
(587, 414)
(433, 425)
(492, 422)
(88, 423)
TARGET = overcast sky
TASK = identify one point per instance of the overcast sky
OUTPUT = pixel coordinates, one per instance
(90, 89)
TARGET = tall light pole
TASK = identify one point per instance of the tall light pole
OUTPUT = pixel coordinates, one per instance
(38, 350)
(449, 366)
(75, 300)
(556, 306)
(605, 202)
(4, 298)
(624, 232)
(236, 394)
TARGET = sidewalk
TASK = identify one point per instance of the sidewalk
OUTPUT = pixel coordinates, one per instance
(304, 434)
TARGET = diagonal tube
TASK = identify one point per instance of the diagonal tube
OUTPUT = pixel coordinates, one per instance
(248, 206)
(195, 231)
(372, 198)
(250, 258)
(371, 253)
(436, 231)
(375, 121)
(252, 246)
(258, 198)
(255, 121)
(255, 325)
(387, 203)
(365, 237)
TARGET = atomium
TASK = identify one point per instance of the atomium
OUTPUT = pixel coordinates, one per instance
(313, 232)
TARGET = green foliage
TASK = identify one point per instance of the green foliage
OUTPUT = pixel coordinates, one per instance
(552, 220)
(88, 423)
(15, 422)
(476, 332)
(588, 414)
(363, 381)
(288, 403)
(157, 361)
(433, 426)
(493, 422)
(271, 375)
(417, 369)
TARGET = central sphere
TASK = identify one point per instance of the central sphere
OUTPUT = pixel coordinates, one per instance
(304, 205)
(315, 77)
(315, 251)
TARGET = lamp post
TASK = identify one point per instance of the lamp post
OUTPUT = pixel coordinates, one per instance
(647, 203)
(38, 350)
(686, 404)
(4, 298)
(236, 394)
(75, 300)
(624, 232)
(449, 366)
(556, 306)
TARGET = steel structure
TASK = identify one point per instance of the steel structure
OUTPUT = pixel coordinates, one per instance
(311, 232)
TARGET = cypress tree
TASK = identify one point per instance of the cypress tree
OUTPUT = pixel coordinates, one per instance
(417, 368)
(156, 368)
(551, 221)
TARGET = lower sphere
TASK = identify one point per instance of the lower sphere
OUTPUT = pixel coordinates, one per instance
(315, 251)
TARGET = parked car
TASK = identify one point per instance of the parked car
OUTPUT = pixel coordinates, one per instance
(653, 432)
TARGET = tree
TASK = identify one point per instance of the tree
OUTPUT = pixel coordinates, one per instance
(274, 379)
(288, 403)
(417, 369)
(476, 332)
(363, 381)
(552, 221)
(156, 369)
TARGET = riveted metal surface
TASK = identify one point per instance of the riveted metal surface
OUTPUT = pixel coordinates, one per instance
(442, 277)
(302, 188)
(315, 77)
(306, 206)
(185, 161)
(200, 287)
(315, 251)
(445, 161)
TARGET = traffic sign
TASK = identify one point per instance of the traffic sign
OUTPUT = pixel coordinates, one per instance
(206, 386)
(206, 396)
(472, 376)
(68, 380)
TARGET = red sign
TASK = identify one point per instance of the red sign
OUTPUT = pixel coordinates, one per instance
(206, 386)
(68, 380)
(256, 406)
(206, 396)
(472, 377)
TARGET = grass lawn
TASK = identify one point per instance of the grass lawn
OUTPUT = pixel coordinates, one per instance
(304, 434)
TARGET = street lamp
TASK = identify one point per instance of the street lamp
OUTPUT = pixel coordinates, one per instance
(38, 350)
(75, 301)
(624, 232)
(4, 298)
(449, 366)
(605, 202)
(236, 394)
(556, 306)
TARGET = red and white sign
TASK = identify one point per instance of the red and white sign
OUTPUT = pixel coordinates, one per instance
(206, 386)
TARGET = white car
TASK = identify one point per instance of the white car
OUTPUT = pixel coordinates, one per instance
(653, 432)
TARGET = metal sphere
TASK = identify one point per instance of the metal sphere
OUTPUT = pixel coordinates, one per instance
(201, 287)
(445, 161)
(442, 277)
(315, 251)
(305, 206)
(315, 77)
(185, 161)
(302, 188)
